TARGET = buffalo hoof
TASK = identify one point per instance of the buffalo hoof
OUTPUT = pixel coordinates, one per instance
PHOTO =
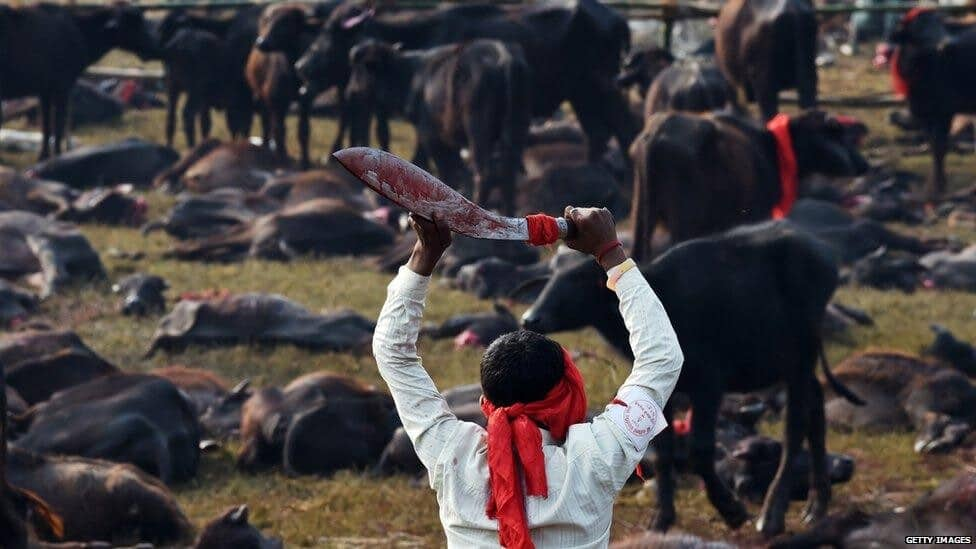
(663, 521)
(771, 524)
(736, 516)
(814, 511)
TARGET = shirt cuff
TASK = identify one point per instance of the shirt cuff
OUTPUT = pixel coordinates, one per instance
(629, 279)
(410, 284)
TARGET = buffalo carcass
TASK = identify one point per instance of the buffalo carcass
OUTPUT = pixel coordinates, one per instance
(259, 319)
(320, 227)
(142, 294)
(590, 34)
(46, 48)
(700, 174)
(222, 419)
(41, 363)
(107, 205)
(212, 213)
(99, 500)
(231, 530)
(212, 165)
(133, 161)
(202, 387)
(745, 320)
(474, 94)
(475, 329)
(765, 47)
(951, 271)
(950, 350)
(15, 304)
(139, 419)
(905, 391)
(318, 424)
(949, 510)
(934, 67)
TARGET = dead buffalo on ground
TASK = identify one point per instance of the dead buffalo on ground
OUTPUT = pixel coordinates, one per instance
(138, 419)
(142, 294)
(101, 501)
(591, 34)
(212, 165)
(591, 185)
(108, 206)
(950, 350)
(711, 288)
(18, 192)
(90, 104)
(951, 271)
(321, 227)
(670, 540)
(949, 510)
(231, 530)
(15, 304)
(906, 392)
(475, 329)
(318, 424)
(936, 70)
(494, 277)
(473, 95)
(132, 161)
(849, 237)
(41, 363)
(766, 47)
(264, 319)
(204, 388)
(399, 456)
(692, 85)
(47, 47)
(886, 270)
(222, 418)
(329, 182)
(750, 467)
(213, 213)
(700, 174)
(55, 251)
(463, 251)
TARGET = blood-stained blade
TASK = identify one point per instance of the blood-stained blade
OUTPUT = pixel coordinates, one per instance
(423, 194)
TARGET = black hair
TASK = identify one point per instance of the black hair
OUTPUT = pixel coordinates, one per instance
(521, 366)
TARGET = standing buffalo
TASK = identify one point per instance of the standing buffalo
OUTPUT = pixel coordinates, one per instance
(747, 306)
(45, 48)
(700, 174)
(474, 94)
(935, 67)
(765, 46)
(573, 52)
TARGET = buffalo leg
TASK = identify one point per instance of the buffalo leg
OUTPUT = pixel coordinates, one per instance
(304, 130)
(806, 67)
(594, 126)
(343, 122)
(772, 520)
(767, 96)
(205, 122)
(45, 126)
(664, 475)
(172, 96)
(939, 139)
(383, 129)
(265, 127)
(59, 107)
(817, 439)
(448, 162)
(278, 127)
(703, 460)
(189, 117)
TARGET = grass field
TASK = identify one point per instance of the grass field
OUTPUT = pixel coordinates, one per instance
(353, 510)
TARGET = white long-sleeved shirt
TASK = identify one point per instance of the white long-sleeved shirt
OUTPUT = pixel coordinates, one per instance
(584, 473)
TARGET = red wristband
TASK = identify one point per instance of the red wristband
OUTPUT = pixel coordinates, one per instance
(607, 248)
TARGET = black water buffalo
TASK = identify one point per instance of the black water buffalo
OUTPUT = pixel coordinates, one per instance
(212, 213)
(57, 251)
(693, 85)
(203, 387)
(745, 320)
(474, 94)
(131, 160)
(590, 34)
(886, 270)
(142, 294)
(318, 424)
(952, 271)
(949, 510)
(494, 277)
(765, 47)
(475, 329)
(15, 304)
(231, 530)
(45, 48)
(950, 350)
(222, 418)
(139, 419)
(99, 500)
(589, 184)
(258, 319)
(463, 251)
(320, 227)
(936, 69)
(41, 363)
(905, 391)
(701, 174)
(106, 205)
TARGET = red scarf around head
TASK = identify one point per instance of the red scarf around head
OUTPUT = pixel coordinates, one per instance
(513, 433)
(779, 126)
(898, 82)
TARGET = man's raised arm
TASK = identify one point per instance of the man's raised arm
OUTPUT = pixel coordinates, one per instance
(425, 415)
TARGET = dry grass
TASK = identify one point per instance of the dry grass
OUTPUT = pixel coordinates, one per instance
(352, 510)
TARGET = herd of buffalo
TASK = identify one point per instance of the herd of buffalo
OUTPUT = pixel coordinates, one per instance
(744, 226)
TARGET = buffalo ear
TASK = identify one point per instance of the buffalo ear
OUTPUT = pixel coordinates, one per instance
(534, 284)
(238, 515)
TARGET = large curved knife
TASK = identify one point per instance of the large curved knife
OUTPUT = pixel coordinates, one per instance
(423, 194)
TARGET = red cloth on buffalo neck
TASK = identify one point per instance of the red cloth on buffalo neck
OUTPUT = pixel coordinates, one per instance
(513, 432)
(779, 126)
(898, 82)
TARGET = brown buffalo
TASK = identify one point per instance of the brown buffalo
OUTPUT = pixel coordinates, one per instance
(212, 165)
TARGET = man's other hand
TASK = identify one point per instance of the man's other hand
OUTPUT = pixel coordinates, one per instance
(595, 230)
